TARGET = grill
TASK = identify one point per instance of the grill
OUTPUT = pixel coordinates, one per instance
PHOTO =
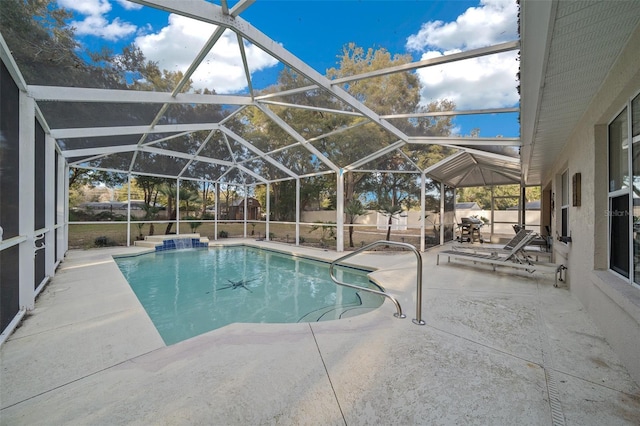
(469, 230)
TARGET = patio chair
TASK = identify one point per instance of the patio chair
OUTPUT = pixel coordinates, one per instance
(540, 241)
(511, 255)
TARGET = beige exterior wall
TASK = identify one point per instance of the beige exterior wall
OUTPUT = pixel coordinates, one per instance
(613, 303)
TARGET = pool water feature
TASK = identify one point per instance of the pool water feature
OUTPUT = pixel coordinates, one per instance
(190, 292)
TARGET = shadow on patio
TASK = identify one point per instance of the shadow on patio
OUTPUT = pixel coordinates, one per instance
(497, 348)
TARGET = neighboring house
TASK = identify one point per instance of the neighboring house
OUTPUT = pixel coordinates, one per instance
(468, 206)
(236, 210)
(531, 205)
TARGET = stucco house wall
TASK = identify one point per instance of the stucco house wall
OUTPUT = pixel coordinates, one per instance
(612, 302)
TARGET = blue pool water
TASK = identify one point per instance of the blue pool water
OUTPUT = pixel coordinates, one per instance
(190, 292)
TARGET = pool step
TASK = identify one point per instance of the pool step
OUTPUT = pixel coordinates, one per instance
(368, 302)
(150, 244)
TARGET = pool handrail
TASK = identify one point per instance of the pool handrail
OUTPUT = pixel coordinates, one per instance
(418, 320)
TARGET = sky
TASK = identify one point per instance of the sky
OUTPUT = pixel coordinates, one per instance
(316, 32)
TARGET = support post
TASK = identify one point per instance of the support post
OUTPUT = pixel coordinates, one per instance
(216, 197)
(244, 216)
(442, 213)
(522, 218)
(268, 218)
(50, 207)
(128, 209)
(66, 207)
(297, 211)
(493, 209)
(340, 211)
(423, 203)
(60, 211)
(26, 201)
(177, 206)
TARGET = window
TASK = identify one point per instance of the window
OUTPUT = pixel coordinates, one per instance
(618, 153)
(635, 218)
(624, 187)
(564, 207)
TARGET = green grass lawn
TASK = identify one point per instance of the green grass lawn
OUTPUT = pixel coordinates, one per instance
(84, 236)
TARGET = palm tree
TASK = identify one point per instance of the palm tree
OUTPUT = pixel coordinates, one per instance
(353, 209)
(189, 196)
(388, 209)
(169, 190)
(150, 213)
(186, 195)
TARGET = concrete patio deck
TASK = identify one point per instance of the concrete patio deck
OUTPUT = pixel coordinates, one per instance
(498, 348)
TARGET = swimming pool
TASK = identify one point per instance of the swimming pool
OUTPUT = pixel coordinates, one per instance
(190, 292)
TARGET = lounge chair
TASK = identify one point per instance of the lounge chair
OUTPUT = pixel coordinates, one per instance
(542, 242)
(531, 250)
(512, 255)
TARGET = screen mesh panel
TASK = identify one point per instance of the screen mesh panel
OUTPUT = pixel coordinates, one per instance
(9, 154)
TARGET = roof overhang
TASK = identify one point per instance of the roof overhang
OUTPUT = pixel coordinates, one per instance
(567, 50)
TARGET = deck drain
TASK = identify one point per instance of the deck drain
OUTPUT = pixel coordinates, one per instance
(557, 414)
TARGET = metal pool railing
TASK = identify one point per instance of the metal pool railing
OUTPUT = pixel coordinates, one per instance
(418, 320)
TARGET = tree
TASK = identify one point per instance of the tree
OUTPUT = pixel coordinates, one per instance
(386, 207)
(390, 94)
(149, 186)
(150, 213)
(47, 53)
(81, 177)
(168, 189)
(354, 209)
(206, 189)
(188, 196)
(39, 38)
(226, 197)
(505, 196)
(394, 193)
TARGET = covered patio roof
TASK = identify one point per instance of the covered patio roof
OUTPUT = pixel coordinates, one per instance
(470, 168)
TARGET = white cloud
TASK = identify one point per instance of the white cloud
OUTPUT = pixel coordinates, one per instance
(86, 7)
(98, 26)
(492, 22)
(486, 82)
(175, 46)
(95, 23)
(129, 5)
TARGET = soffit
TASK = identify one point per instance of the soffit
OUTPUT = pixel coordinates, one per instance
(568, 48)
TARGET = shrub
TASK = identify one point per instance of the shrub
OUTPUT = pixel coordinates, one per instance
(194, 226)
(109, 216)
(223, 234)
(104, 241)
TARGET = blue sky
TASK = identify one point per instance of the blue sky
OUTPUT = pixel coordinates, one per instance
(316, 30)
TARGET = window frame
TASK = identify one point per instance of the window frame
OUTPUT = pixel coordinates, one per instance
(564, 204)
(626, 189)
